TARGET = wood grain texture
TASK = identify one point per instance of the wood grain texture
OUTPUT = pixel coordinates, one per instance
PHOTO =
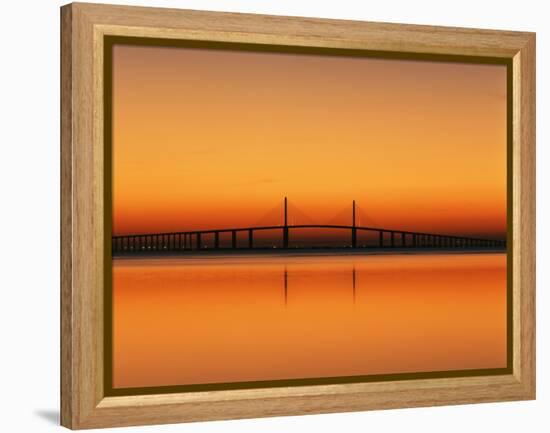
(67, 386)
(83, 404)
(524, 219)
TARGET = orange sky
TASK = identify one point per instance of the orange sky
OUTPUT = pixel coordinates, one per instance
(212, 139)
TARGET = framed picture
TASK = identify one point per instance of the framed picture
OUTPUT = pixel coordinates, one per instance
(268, 215)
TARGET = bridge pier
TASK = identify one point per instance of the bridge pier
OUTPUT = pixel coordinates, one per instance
(381, 239)
(199, 241)
(250, 239)
(353, 227)
(234, 239)
(285, 237)
(217, 240)
(285, 225)
(392, 239)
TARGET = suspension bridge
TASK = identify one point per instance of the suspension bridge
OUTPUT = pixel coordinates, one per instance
(382, 238)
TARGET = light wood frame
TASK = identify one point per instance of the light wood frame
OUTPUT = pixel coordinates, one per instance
(83, 403)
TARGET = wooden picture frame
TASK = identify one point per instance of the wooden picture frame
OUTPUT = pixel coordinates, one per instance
(83, 217)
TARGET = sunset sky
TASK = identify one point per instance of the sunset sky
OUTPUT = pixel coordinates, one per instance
(216, 138)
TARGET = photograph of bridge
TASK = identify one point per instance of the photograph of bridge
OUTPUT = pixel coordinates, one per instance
(193, 241)
(282, 216)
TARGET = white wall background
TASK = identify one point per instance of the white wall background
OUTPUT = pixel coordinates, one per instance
(29, 173)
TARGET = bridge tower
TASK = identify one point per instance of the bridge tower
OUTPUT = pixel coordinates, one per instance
(285, 226)
(353, 227)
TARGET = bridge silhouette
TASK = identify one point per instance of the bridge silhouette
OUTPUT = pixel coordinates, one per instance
(194, 240)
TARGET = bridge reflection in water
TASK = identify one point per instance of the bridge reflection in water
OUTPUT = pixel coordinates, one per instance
(194, 240)
(353, 283)
(225, 318)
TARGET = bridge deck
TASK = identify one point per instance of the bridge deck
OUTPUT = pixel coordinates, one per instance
(193, 240)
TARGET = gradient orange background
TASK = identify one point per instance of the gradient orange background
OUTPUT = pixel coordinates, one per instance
(214, 138)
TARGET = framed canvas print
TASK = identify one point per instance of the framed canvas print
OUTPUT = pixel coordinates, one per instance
(268, 215)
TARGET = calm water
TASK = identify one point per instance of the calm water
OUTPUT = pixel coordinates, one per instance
(227, 319)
